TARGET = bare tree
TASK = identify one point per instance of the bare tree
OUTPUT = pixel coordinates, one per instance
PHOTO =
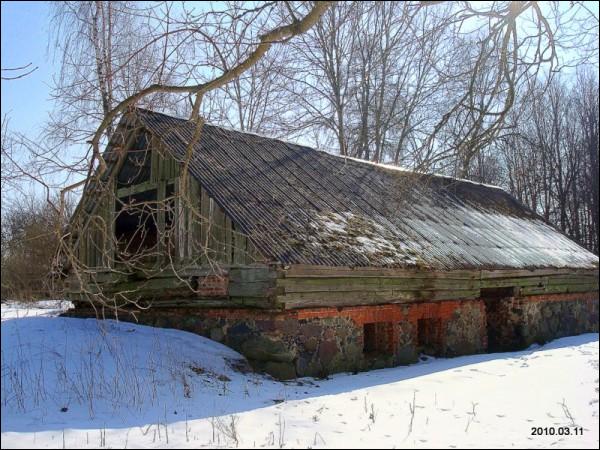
(28, 248)
(253, 101)
(426, 84)
(551, 156)
(14, 73)
(465, 88)
(251, 32)
(107, 52)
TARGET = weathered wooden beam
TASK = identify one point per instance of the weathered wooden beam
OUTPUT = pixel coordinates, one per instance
(136, 189)
(302, 271)
(181, 271)
(369, 284)
(256, 289)
(558, 289)
(345, 298)
(143, 187)
(252, 273)
(520, 273)
(566, 280)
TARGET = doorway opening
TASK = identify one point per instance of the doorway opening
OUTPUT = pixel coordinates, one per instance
(429, 336)
(500, 333)
(378, 338)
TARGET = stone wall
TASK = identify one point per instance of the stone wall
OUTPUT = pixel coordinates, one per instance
(320, 341)
(317, 342)
(517, 322)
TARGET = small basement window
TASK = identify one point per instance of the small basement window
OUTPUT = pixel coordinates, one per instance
(429, 336)
(498, 292)
(136, 228)
(378, 338)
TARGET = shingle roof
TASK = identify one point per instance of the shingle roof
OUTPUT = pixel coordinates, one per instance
(303, 206)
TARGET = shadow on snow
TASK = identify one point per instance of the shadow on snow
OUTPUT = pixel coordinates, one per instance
(53, 339)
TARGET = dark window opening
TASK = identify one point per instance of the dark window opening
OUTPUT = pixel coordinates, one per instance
(378, 338)
(429, 336)
(501, 336)
(136, 228)
(137, 166)
(498, 292)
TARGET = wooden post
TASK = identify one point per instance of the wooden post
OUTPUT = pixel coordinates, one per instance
(160, 199)
(180, 216)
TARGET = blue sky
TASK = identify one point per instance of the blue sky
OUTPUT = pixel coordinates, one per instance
(25, 34)
(25, 30)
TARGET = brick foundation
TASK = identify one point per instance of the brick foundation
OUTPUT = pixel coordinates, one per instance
(212, 286)
(320, 341)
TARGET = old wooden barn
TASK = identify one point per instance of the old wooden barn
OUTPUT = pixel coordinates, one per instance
(309, 263)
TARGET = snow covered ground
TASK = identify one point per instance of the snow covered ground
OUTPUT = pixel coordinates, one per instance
(73, 383)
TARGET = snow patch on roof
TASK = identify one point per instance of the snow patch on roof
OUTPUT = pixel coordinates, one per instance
(316, 212)
(363, 235)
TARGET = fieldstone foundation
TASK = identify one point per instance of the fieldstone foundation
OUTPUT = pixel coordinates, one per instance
(515, 323)
(319, 341)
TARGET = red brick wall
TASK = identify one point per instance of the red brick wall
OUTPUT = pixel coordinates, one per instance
(396, 314)
(359, 314)
(212, 286)
(313, 341)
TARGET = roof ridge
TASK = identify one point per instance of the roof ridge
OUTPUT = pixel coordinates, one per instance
(404, 169)
(358, 160)
(357, 217)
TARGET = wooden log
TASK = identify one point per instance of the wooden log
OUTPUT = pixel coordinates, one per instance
(256, 289)
(563, 280)
(343, 298)
(136, 189)
(368, 284)
(163, 287)
(302, 271)
(558, 289)
(233, 302)
(181, 271)
(251, 274)
(108, 277)
(510, 282)
(519, 273)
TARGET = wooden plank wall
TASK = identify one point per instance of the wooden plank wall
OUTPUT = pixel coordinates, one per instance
(204, 235)
(313, 286)
(208, 242)
(214, 236)
(94, 249)
(246, 286)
